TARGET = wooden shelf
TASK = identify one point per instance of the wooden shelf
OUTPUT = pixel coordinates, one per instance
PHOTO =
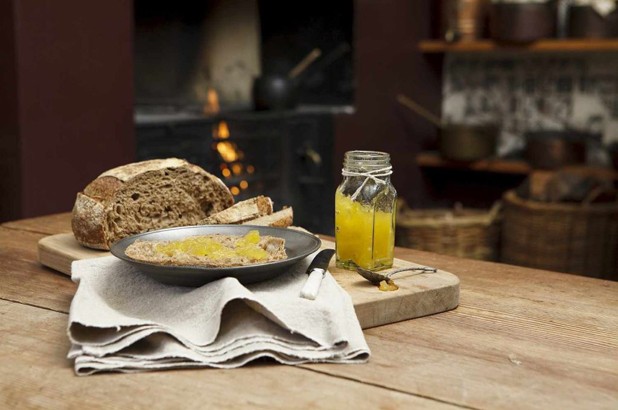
(542, 46)
(495, 165)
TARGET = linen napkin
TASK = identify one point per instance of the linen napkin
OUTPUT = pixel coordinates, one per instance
(121, 320)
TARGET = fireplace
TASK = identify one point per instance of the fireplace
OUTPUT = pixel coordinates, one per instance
(284, 155)
(109, 69)
(195, 65)
(185, 50)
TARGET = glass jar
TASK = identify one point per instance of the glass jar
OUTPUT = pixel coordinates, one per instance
(365, 212)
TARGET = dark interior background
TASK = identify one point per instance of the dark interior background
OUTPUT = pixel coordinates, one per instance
(308, 25)
(167, 39)
(67, 114)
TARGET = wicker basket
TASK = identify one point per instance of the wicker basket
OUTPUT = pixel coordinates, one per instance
(573, 238)
(466, 233)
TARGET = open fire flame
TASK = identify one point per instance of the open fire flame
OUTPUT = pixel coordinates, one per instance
(229, 152)
(211, 105)
(223, 132)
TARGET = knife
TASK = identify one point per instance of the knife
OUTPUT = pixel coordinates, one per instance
(316, 272)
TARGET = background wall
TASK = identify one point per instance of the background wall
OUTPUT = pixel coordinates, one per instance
(10, 187)
(68, 112)
(388, 62)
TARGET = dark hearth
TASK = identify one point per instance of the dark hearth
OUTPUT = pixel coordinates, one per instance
(285, 155)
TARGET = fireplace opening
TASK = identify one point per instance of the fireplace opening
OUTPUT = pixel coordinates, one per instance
(186, 50)
(195, 64)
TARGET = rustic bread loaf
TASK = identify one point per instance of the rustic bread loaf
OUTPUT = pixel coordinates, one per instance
(145, 251)
(241, 212)
(280, 219)
(144, 196)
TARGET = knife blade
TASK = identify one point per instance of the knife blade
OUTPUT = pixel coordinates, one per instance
(316, 272)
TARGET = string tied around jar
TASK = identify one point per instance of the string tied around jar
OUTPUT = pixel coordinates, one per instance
(373, 175)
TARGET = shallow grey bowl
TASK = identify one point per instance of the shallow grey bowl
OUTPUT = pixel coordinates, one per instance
(298, 245)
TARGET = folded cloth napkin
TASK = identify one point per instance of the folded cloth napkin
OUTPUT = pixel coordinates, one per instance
(121, 320)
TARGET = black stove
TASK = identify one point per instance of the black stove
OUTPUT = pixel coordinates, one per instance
(286, 155)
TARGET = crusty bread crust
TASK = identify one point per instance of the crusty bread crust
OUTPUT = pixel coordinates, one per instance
(241, 212)
(88, 214)
(144, 251)
(143, 196)
(126, 172)
(280, 219)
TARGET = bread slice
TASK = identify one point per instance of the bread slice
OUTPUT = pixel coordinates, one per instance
(145, 251)
(241, 212)
(144, 196)
(280, 219)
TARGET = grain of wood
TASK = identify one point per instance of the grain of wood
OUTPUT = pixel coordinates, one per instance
(37, 374)
(562, 328)
(24, 280)
(59, 251)
(463, 357)
(542, 46)
(50, 224)
(495, 165)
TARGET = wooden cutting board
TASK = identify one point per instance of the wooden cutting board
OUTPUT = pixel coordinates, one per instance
(419, 294)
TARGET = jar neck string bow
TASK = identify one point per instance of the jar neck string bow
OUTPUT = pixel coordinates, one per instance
(373, 175)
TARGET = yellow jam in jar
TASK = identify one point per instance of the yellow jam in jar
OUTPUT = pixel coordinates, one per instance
(245, 246)
(365, 236)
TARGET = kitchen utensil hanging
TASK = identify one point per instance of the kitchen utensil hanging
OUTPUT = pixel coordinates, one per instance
(277, 92)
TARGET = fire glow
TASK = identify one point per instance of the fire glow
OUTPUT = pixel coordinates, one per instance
(222, 132)
(237, 168)
(226, 149)
(211, 105)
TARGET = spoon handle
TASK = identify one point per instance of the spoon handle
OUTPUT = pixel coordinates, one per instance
(423, 269)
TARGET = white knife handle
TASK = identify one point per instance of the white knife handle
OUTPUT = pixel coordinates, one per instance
(312, 286)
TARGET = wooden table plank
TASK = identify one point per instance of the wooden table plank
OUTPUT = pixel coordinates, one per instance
(562, 328)
(522, 338)
(24, 280)
(50, 224)
(489, 359)
(37, 374)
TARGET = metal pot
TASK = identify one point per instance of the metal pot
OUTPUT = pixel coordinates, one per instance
(556, 149)
(275, 92)
(467, 143)
(463, 20)
(523, 22)
(458, 142)
(585, 22)
(278, 92)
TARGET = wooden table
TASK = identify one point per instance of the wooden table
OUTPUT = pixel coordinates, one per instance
(521, 338)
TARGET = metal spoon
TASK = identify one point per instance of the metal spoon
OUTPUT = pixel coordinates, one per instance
(376, 278)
